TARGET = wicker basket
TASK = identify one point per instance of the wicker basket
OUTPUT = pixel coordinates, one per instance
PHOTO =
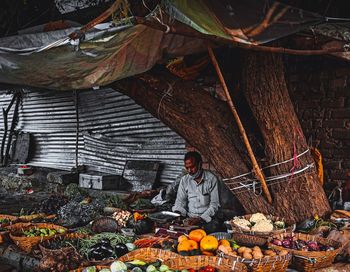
(267, 264)
(98, 268)
(28, 218)
(196, 262)
(11, 218)
(3, 236)
(27, 243)
(54, 252)
(236, 228)
(149, 255)
(310, 260)
(248, 239)
(105, 224)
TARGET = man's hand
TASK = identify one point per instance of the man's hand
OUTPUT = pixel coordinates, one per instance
(193, 221)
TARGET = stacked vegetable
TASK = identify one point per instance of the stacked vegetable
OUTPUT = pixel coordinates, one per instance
(141, 266)
(140, 223)
(290, 243)
(43, 232)
(105, 246)
(197, 243)
(258, 222)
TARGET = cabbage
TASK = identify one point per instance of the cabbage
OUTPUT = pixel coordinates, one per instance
(163, 268)
(130, 246)
(151, 268)
(118, 266)
(90, 269)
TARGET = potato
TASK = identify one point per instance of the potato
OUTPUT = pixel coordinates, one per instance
(270, 252)
(256, 248)
(248, 250)
(225, 249)
(241, 250)
(283, 252)
(233, 253)
(257, 255)
(247, 255)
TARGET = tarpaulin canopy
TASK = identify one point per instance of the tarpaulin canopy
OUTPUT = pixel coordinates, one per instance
(51, 60)
(247, 21)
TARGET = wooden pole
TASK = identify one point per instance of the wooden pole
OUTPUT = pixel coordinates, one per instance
(256, 167)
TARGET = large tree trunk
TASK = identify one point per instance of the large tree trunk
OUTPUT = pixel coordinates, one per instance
(207, 124)
(265, 88)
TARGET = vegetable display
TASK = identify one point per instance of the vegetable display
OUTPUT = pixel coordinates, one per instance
(4, 221)
(141, 266)
(142, 204)
(258, 222)
(140, 224)
(104, 245)
(290, 243)
(121, 217)
(34, 232)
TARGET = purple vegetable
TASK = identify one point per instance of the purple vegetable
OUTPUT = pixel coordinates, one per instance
(313, 246)
(286, 243)
(276, 242)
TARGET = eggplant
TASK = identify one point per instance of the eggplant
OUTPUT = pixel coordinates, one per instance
(105, 241)
(120, 249)
(95, 255)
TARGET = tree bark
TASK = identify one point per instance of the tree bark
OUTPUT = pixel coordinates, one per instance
(207, 124)
(266, 91)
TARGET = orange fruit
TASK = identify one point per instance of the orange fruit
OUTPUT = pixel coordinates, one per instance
(182, 238)
(193, 244)
(197, 235)
(184, 246)
(224, 242)
(209, 243)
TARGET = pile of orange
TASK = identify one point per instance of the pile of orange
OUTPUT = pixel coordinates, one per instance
(198, 241)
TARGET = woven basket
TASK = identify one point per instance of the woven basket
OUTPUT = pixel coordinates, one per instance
(149, 255)
(11, 218)
(98, 268)
(105, 224)
(236, 228)
(3, 236)
(310, 260)
(28, 218)
(54, 252)
(27, 243)
(248, 239)
(267, 264)
(196, 262)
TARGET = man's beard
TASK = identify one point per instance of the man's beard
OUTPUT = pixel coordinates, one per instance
(198, 173)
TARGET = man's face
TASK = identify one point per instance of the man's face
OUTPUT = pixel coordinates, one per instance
(191, 166)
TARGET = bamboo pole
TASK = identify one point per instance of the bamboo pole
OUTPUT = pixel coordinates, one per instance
(256, 167)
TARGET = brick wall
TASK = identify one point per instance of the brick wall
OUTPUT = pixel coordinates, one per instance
(320, 90)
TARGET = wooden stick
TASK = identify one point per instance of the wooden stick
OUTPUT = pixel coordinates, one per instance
(256, 167)
(12, 128)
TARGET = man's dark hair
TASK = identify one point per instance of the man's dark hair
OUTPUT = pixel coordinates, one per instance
(194, 155)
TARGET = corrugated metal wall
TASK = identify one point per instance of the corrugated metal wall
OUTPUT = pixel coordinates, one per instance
(113, 129)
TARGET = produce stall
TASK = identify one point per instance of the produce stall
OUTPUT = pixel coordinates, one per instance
(76, 232)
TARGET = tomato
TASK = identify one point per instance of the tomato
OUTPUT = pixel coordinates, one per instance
(191, 270)
(209, 268)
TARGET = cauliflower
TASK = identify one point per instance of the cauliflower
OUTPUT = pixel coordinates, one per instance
(257, 217)
(263, 226)
(242, 223)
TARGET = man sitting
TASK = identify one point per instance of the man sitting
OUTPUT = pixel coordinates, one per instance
(198, 195)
